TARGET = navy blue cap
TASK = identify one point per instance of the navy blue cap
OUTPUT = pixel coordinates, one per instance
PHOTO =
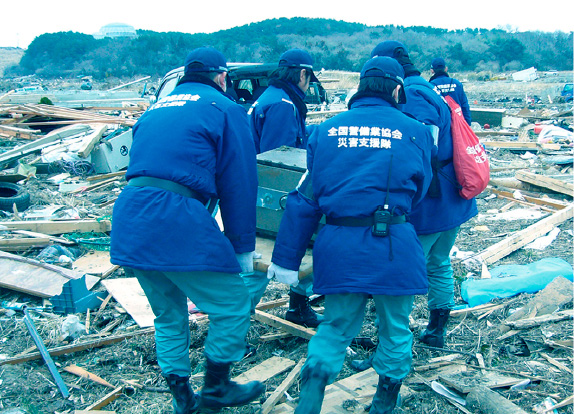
(390, 48)
(383, 67)
(438, 64)
(205, 59)
(388, 68)
(297, 58)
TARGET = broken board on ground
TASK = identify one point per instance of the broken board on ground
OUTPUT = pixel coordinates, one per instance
(130, 295)
(346, 396)
(95, 262)
(37, 278)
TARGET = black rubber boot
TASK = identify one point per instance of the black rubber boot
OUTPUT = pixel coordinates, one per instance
(300, 311)
(313, 383)
(362, 364)
(386, 397)
(184, 401)
(219, 391)
(433, 335)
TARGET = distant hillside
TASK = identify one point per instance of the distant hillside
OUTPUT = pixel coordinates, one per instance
(9, 56)
(335, 45)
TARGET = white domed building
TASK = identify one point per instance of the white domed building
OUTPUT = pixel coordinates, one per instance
(115, 30)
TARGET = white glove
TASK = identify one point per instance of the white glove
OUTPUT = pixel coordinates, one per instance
(245, 261)
(289, 277)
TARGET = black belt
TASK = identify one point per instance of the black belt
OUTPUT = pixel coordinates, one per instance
(361, 221)
(166, 185)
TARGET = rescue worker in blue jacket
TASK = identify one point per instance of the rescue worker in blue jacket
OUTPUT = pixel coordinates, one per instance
(367, 169)
(277, 118)
(191, 147)
(438, 217)
(447, 85)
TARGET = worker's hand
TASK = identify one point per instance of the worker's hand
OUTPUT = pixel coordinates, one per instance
(289, 277)
(245, 261)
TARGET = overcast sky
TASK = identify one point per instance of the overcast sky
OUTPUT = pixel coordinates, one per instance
(22, 21)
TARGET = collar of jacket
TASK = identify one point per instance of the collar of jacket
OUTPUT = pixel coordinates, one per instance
(371, 98)
(293, 95)
(193, 78)
(439, 75)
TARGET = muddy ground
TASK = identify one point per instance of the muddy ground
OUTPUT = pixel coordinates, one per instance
(28, 387)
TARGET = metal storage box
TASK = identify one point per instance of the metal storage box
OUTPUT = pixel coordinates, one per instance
(279, 172)
(113, 155)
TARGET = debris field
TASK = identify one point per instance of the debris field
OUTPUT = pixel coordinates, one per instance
(76, 332)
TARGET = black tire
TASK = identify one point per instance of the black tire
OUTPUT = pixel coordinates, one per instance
(11, 194)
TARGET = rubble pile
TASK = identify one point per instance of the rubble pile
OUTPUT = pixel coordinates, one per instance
(76, 332)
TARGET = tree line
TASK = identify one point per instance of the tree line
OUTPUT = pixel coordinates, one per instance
(335, 45)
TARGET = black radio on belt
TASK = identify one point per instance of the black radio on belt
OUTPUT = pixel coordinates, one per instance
(382, 219)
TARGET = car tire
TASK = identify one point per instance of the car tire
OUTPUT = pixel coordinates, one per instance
(11, 194)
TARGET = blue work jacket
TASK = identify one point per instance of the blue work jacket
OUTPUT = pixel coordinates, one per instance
(199, 138)
(367, 157)
(449, 210)
(275, 121)
(452, 87)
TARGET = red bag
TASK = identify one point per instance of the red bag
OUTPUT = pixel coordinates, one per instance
(469, 158)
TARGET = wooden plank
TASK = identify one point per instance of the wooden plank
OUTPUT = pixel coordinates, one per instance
(52, 227)
(564, 403)
(70, 349)
(264, 246)
(90, 141)
(129, 293)
(546, 182)
(265, 370)
(20, 133)
(556, 363)
(523, 237)
(273, 337)
(108, 398)
(276, 396)
(488, 401)
(287, 326)
(95, 262)
(512, 145)
(36, 278)
(94, 186)
(100, 177)
(465, 383)
(272, 304)
(360, 388)
(15, 244)
(539, 320)
(40, 143)
(60, 240)
(555, 204)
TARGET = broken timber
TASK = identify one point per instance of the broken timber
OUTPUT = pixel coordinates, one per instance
(69, 349)
(547, 182)
(539, 320)
(523, 237)
(61, 226)
(490, 402)
(531, 200)
(276, 396)
(277, 322)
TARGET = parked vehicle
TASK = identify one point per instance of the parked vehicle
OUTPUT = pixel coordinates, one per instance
(247, 81)
(567, 92)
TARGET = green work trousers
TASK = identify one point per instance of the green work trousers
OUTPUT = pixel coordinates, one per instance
(437, 247)
(344, 315)
(222, 296)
